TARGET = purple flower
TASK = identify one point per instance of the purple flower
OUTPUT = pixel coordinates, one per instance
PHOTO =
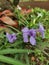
(29, 32)
(41, 30)
(11, 37)
(32, 32)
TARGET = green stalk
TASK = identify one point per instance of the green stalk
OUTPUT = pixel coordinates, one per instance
(13, 28)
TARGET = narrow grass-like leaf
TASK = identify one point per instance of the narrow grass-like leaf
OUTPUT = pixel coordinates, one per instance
(10, 60)
(12, 51)
(27, 59)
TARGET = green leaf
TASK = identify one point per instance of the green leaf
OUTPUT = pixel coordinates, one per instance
(10, 60)
(12, 51)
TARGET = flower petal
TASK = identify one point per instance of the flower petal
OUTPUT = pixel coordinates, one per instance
(25, 37)
(32, 40)
(43, 35)
(25, 29)
(25, 32)
(11, 40)
(41, 30)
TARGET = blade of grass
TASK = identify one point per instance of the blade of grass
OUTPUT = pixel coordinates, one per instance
(10, 60)
(27, 59)
(12, 51)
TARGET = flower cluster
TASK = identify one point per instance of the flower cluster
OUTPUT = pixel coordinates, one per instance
(32, 34)
(29, 35)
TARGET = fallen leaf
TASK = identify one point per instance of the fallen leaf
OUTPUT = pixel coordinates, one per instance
(7, 12)
(25, 11)
(8, 20)
(28, 11)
